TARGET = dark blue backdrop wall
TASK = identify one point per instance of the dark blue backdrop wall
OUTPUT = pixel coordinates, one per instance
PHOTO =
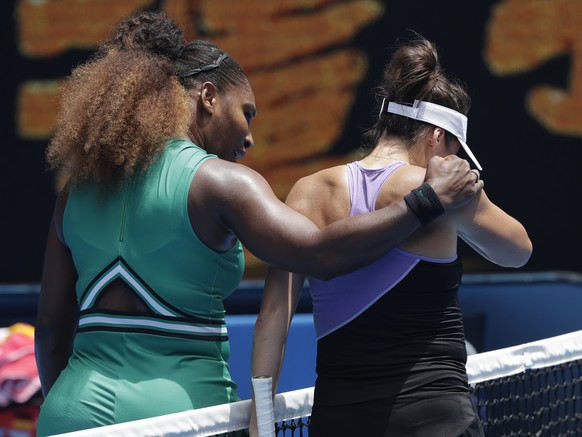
(499, 310)
(520, 60)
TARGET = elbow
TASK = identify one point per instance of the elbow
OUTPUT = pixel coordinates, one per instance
(261, 324)
(270, 321)
(522, 261)
(325, 268)
(53, 338)
(269, 334)
(525, 253)
(326, 275)
(42, 334)
(335, 269)
(46, 342)
(519, 257)
(321, 275)
(324, 271)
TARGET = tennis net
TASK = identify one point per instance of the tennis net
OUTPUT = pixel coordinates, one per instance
(533, 389)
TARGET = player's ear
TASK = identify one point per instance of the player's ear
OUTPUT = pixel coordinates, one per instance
(205, 97)
(438, 135)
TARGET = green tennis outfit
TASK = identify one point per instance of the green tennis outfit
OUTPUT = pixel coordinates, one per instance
(128, 366)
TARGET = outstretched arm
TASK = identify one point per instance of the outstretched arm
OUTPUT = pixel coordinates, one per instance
(244, 202)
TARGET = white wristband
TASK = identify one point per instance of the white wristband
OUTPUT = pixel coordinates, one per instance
(263, 390)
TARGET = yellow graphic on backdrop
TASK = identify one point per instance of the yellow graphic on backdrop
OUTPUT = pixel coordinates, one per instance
(522, 35)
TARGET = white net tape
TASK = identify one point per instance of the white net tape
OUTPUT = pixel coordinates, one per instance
(206, 421)
(516, 359)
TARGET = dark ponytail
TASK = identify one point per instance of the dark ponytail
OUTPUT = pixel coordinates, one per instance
(414, 73)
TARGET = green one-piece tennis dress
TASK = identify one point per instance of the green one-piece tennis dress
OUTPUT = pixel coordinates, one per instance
(172, 358)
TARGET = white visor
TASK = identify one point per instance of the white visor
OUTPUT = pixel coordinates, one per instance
(441, 116)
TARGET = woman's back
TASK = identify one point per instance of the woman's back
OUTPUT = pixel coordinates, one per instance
(324, 197)
(142, 235)
(150, 297)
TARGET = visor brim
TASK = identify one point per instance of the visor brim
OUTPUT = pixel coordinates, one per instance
(470, 154)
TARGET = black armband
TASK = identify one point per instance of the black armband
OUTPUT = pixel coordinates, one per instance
(424, 203)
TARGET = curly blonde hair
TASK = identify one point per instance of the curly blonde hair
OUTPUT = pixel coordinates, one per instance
(117, 112)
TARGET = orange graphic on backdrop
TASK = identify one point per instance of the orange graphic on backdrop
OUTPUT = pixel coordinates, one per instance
(296, 53)
(522, 35)
(49, 28)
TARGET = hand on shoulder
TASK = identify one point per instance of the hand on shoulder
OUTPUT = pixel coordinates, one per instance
(453, 180)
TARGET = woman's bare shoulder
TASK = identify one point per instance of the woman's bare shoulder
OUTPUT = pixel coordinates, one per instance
(327, 179)
(401, 182)
(322, 196)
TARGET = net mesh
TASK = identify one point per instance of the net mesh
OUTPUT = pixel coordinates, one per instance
(533, 389)
(539, 402)
(530, 390)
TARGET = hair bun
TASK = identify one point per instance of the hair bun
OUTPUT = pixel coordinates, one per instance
(153, 32)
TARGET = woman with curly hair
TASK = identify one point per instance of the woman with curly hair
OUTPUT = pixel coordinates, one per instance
(146, 238)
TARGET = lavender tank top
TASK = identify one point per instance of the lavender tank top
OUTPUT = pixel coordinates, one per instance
(338, 301)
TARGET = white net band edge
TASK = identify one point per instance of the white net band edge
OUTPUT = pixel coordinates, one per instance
(516, 359)
(206, 421)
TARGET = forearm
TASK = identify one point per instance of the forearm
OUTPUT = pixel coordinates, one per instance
(280, 298)
(494, 234)
(52, 354)
(348, 244)
(352, 243)
(511, 249)
(57, 315)
(283, 236)
(267, 353)
(269, 347)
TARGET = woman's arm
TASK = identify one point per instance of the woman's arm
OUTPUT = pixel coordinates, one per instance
(57, 309)
(239, 199)
(493, 233)
(279, 302)
(280, 299)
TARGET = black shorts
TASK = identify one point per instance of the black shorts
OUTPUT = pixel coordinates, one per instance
(445, 416)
